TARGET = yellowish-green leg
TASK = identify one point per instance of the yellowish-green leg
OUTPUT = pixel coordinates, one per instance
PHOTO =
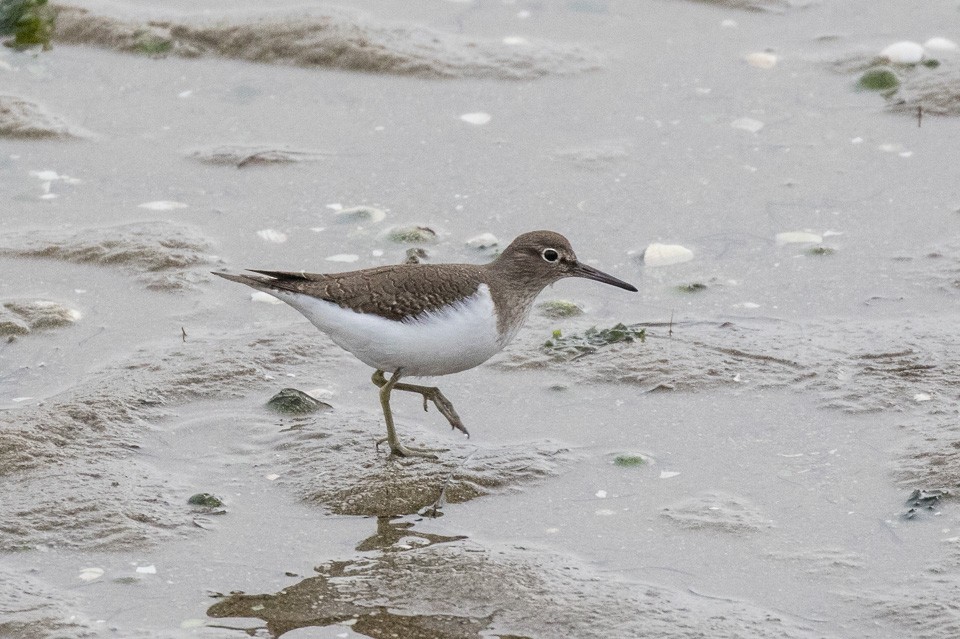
(396, 448)
(431, 393)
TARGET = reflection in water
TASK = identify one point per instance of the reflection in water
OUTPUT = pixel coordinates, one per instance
(317, 601)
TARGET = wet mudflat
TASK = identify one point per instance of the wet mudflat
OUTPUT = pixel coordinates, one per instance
(731, 453)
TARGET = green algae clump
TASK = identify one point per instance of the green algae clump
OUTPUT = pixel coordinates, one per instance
(629, 461)
(30, 22)
(591, 340)
(879, 79)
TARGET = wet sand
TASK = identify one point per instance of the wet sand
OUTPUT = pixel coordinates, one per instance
(745, 470)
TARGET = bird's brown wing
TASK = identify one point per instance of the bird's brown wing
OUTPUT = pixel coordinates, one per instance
(393, 292)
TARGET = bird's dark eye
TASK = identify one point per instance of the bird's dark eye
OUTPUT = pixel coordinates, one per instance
(550, 255)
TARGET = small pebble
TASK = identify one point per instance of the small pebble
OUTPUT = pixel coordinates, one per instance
(162, 205)
(272, 235)
(264, 298)
(344, 257)
(411, 234)
(904, 52)
(747, 124)
(360, 214)
(483, 241)
(761, 60)
(666, 254)
(798, 237)
(46, 176)
(940, 44)
(478, 118)
(90, 574)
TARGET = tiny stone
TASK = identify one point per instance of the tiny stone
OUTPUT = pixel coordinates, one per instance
(412, 235)
(747, 124)
(483, 241)
(940, 44)
(762, 60)
(291, 401)
(476, 118)
(559, 309)
(798, 237)
(205, 499)
(666, 254)
(414, 255)
(162, 205)
(904, 52)
(272, 235)
(360, 214)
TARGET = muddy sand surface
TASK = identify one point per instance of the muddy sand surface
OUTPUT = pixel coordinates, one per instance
(761, 443)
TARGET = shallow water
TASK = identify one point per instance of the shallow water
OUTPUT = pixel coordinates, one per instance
(785, 402)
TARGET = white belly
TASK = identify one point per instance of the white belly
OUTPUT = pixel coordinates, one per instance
(441, 342)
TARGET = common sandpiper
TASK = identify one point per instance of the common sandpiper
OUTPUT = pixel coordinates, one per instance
(424, 320)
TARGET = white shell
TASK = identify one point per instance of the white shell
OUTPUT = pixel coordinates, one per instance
(666, 254)
(761, 60)
(89, 574)
(162, 205)
(265, 298)
(483, 241)
(361, 214)
(476, 118)
(905, 52)
(344, 257)
(272, 235)
(940, 44)
(747, 124)
(798, 237)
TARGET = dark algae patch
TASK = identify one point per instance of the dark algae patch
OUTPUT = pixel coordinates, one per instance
(694, 287)
(629, 461)
(821, 251)
(879, 79)
(205, 500)
(592, 340)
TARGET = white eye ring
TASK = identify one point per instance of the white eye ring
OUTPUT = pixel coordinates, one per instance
(550, 255)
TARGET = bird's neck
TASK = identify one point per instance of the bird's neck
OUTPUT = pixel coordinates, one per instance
(513, 296)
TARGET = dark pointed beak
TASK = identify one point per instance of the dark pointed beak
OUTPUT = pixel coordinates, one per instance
(582, 270)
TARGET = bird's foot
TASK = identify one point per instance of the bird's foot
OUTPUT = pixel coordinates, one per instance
(399, 450)
(429, 393)
(445, 406)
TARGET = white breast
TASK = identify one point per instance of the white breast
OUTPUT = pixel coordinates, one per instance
(440, 342)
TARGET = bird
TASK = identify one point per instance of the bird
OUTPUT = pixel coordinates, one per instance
(428, 320)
